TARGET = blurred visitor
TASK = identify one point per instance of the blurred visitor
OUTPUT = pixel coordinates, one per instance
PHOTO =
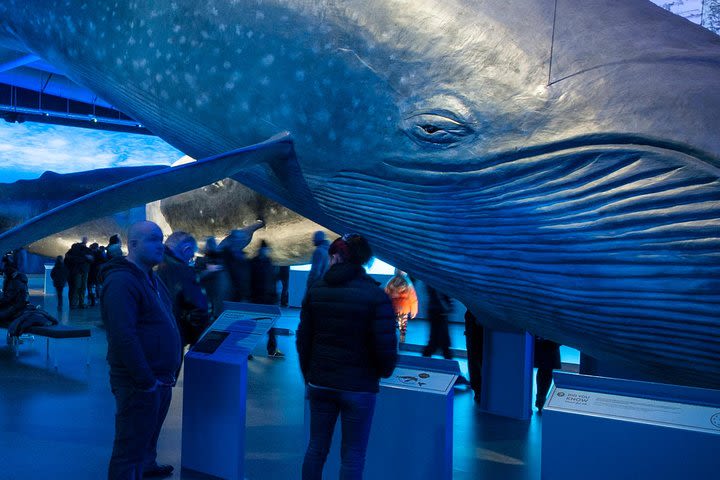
(404, 299)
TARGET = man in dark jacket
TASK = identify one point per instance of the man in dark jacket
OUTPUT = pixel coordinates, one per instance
(78, 260)
(237, 264)
(346, 342)
(93, 280)
(263, 289)
(189, 301)
(439, 307)
(320, 260)
(143, 352)
(59, 275)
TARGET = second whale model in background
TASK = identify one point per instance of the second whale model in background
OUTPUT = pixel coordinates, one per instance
(212, 210)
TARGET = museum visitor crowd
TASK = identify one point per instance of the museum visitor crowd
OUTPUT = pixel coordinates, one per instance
(158, 299)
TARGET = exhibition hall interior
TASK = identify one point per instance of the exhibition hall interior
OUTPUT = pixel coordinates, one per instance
(279, 240)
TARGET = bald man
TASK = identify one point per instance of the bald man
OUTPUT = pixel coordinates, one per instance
(143, 352)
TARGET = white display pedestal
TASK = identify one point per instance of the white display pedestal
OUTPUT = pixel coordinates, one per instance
(215, 389)
(48, 288)
(599, 428)
(412, 429)
(507, 372)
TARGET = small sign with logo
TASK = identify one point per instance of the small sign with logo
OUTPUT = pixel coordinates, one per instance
(636, 409)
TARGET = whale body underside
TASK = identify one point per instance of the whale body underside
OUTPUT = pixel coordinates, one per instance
(553, 165)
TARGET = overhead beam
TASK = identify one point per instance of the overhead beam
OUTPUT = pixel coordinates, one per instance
(18, 62)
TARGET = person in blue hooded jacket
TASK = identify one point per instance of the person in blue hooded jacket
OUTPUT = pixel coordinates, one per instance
(143, 352)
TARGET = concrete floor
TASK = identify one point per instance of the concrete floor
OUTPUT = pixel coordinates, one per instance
(58, 424)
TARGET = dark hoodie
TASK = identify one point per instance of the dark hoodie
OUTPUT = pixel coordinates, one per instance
(143, 339)
(189, 302)
(346, 337)
(14, 295)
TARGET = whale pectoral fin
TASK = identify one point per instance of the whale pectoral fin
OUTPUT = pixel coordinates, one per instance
(282, 180)
(146, 188)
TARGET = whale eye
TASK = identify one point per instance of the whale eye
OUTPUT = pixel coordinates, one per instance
(436, 129)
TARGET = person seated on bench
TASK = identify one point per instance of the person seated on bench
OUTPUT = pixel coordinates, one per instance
(16, 313)
(15, 294)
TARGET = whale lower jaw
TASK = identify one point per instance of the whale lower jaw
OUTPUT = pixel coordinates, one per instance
(612, 249)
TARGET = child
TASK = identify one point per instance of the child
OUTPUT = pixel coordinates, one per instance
(404, 299)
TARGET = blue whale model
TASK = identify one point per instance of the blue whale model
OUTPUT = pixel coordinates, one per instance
(553, 165)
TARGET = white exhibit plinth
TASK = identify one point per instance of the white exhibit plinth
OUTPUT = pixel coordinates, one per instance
(412, 429)
(599, 428)
(215, 390)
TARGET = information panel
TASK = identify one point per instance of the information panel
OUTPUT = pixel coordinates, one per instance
(632, 429)
(644, 410)
(420, 380)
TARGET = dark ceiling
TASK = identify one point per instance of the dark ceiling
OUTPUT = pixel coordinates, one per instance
(33, 90)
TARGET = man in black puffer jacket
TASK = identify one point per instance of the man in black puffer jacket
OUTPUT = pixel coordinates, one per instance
(143, 352)
(346, 342)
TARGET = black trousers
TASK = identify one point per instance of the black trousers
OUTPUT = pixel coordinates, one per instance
(138, 420)
(439, 334)
(474, 334)
(77, 289)
(59, 294)
(284, 277)
(543, 380)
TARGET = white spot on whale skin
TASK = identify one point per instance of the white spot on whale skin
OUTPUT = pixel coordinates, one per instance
(138, 64)
(259, 15)
(229, 85)
(202, 99)
(300, 75)
(190, 80)
(226, 65)
(176, 28)
(322, 116)
(268, 60)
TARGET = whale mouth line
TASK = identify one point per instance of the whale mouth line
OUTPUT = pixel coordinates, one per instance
(564, 147)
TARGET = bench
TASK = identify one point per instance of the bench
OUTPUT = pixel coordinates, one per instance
(59, 332)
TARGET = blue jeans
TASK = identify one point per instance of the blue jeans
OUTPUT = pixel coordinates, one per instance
(356, 411)
(138, 422)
